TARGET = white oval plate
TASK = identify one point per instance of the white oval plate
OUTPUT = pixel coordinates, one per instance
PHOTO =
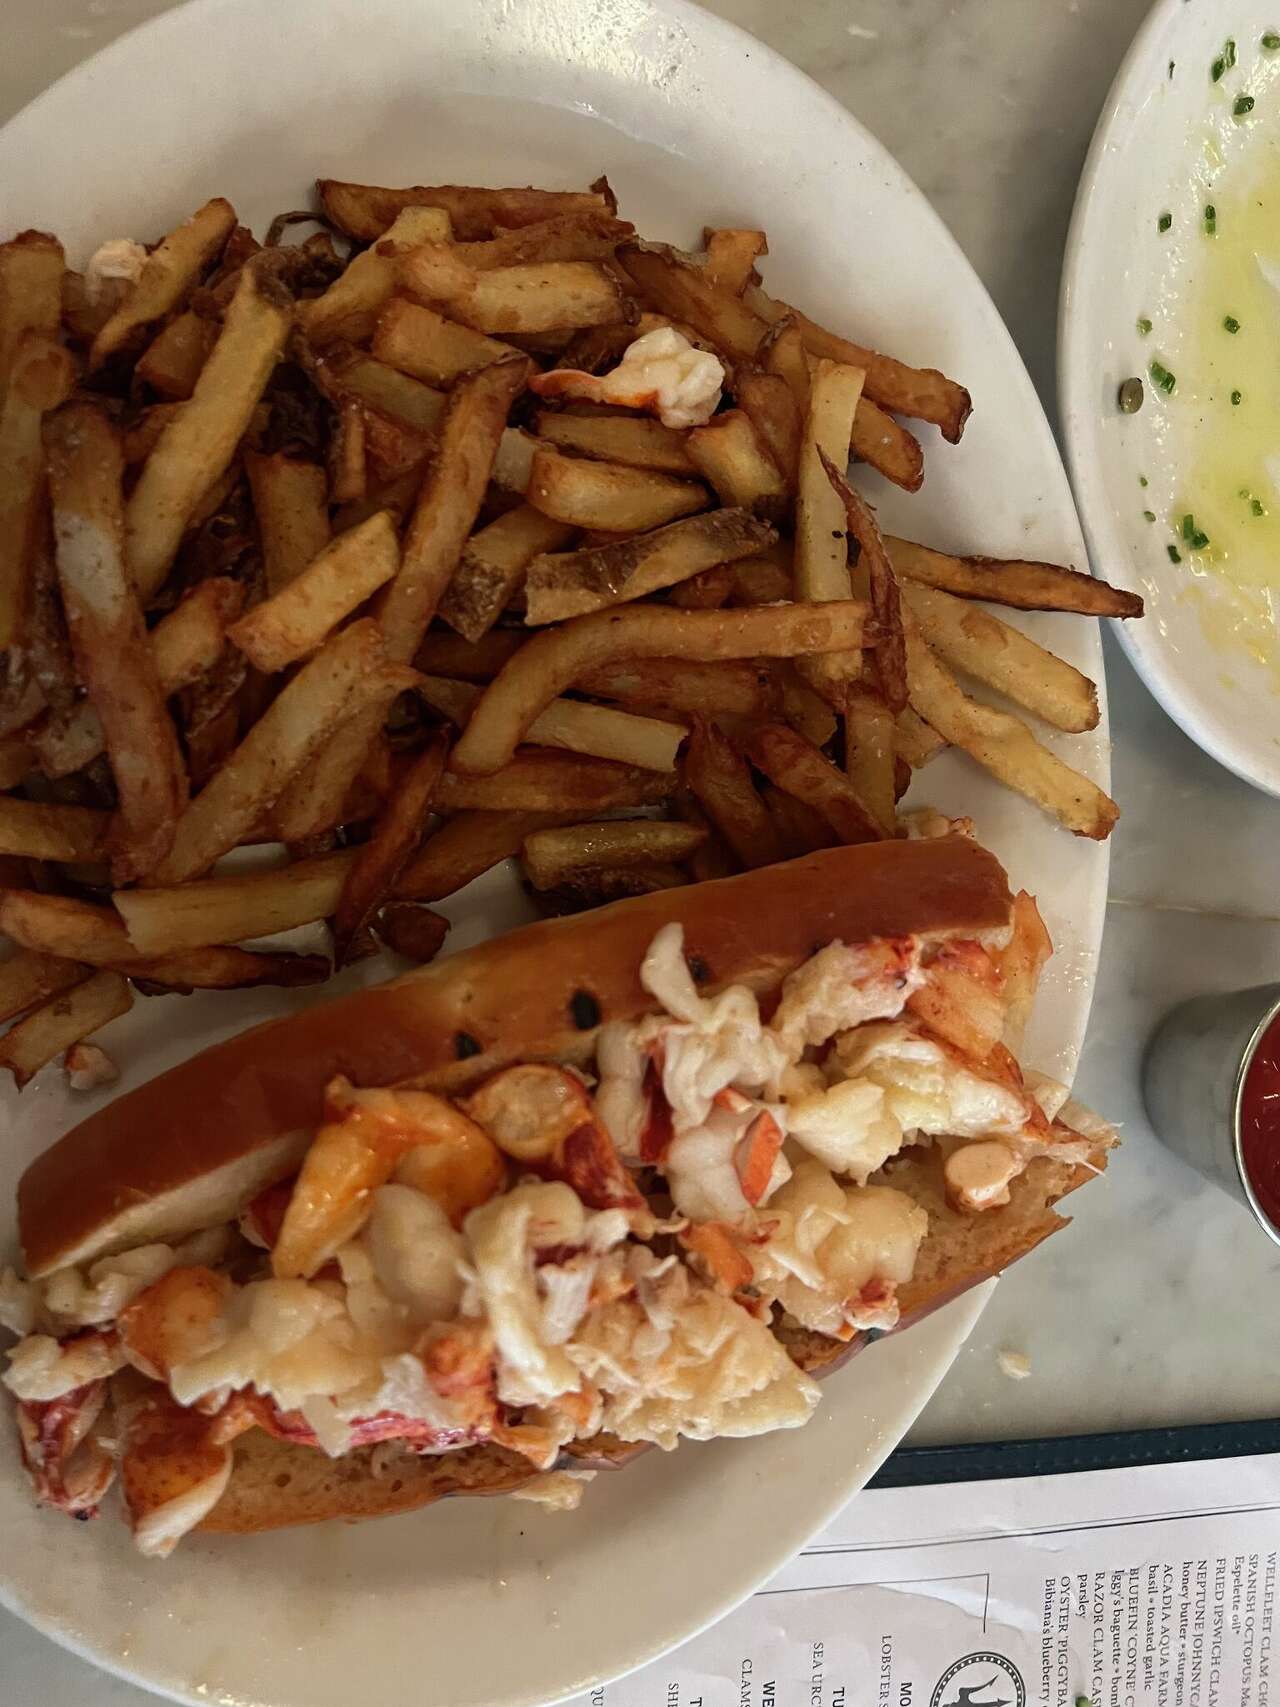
(490, 1601)
(1154, 150)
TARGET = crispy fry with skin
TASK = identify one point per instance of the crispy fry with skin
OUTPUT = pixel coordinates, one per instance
(822, 551)
(1003, 744)
(889, 652)
(465, 847)
(592, 578)
(1011, 581)
(366, 1137)
(349, 308)
(729, 456)
(422, 343)
(649, 742)
(233, 909)
(449, 502)
(396, 833)
(32, 830)
(783, 354)
(970, 639)
(32, 275)
(540, 779)
(366, 210)
(196, 445)
(346, 676)
(1020, 964)
(634, 441)
(720, 780)
(493, 566)
(731, 257)
(591, 494)
(770, 405)
(415, 932)
(923, 393)
(442, 654)
(798, 768)
(184, 645)
(682, 685)
(549, 856)
(914, 741)
(290, 500)
(113, 656)
(27, 978)
(539, 297)
(292, 623)
(40, 378)
(870, 755)
(548, 664)
(800, 829)
(345, 374)
(167, 277)
(173, 361)
(62, 1021)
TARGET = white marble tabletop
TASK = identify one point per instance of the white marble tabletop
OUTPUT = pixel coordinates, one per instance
(1146, 1312)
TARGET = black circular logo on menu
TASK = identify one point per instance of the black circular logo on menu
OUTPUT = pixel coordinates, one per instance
(980, 1680)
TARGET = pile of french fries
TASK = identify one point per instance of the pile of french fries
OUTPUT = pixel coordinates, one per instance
(323, 544)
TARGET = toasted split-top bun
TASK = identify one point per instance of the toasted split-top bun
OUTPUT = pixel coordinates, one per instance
(190, 1148)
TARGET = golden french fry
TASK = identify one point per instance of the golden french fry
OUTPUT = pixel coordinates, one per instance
(40, 378)
(317, 800)
(366, 210)
(682, 685)
(822, 548)
(27, 978)
(550, 856)
(633, 441)
(172, 362)
(971, 639)
(465, 847)
(1004, 745)
(1020, 964)
(731, 257)
(548, 664)
(770, 405)
(184, 645)
(806, 711)
(914, 741)
(442, 654)
(397, 831)
(730, 458)
(1011, 581)
(538, 297)
(290, 500)
(607, 495)
(514, 461)
(923, 393)
(233, 909)
(349, 308)
(345, 374)
(590, 234)
(887, 446)
(197, 444)
(784, 356)
(300, 617)
(420, 342)
(870, 753)
(17, 757)
(170, 271)
(720, 779)
(766, 579)
(573, 583)
(450, 501)
(113, 655)
(574, 725)
(798, 768)
(492, 570)
(30, 830)
(706, 591)
(76, 930)
(32, 271)
(142, 437)
(347, 675)
(537, 779)
(348, 476)
(888, 655)
(62, 1021)
(681, 289)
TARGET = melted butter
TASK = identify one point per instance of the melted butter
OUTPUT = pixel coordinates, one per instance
(1230, 457)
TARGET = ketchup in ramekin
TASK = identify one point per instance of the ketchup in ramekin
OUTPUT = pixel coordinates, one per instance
(1260, 1123)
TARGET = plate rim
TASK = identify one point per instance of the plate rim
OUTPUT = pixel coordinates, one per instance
(714, 31)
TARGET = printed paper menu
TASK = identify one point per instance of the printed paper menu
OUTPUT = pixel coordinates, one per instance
(1122, 1588)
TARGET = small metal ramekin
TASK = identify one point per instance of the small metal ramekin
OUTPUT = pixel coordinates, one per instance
(1193, 1085)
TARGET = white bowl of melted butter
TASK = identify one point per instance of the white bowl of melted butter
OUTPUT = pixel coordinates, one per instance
(1172, 281)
